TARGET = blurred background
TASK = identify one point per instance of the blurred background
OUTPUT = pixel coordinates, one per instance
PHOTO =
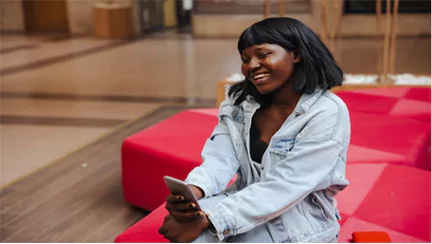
(75, 71)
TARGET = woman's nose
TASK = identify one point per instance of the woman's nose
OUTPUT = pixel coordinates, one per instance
(254, 64)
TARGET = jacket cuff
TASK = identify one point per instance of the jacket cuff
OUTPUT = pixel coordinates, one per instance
(222, 221)
(201, 182)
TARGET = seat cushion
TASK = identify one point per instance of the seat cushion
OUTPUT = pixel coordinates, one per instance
(171, 147)
(384, 197)
(394, 199)
(398, 140)
(146, 230)
(411, 103)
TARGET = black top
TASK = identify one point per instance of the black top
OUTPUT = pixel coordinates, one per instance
(257, 146)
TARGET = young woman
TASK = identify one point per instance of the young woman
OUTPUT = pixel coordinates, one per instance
(284, 135)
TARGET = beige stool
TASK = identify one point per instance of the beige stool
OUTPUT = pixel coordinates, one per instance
(113, 21)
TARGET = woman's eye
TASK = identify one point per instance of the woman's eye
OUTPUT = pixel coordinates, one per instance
(263, 55)
(245, 60)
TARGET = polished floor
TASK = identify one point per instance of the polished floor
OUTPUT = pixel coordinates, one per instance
(59, 93)
(78, 198)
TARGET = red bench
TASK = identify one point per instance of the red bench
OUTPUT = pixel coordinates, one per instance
(400, 102)
(171, 147)
(376, 200)
(382, 132)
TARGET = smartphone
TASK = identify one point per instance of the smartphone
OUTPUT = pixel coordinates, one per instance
(178, 187)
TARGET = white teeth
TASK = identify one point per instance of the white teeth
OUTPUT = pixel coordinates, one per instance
(261, 76)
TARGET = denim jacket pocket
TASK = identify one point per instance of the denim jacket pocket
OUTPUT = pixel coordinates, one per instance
(283, 144)
(277, 155)
(280, 147)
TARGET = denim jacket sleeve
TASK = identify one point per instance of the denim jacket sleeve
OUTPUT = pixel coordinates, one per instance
(219, 163)
(305, 168)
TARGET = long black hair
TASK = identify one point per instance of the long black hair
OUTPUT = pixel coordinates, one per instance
(316, 69)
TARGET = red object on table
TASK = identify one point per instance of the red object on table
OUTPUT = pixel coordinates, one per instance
(370, 237)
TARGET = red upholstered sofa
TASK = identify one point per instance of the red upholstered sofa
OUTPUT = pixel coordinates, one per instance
(390, 125)
(383, 131)
(375, 200)
(401, 102)
(171, 147)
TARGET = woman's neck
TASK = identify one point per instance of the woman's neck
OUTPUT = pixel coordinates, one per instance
(286, 97)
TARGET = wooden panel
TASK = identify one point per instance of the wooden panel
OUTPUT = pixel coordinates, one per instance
(231, 25)
(45, 16)
(67, 202)
(170, 15)
(241, 7)
(360, 25)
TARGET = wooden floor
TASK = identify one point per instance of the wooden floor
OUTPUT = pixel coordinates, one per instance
(77, 199)
(62, 97)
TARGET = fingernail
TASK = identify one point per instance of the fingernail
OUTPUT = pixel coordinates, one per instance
(192, 205)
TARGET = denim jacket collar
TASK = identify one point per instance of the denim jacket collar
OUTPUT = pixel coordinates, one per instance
(304, 104)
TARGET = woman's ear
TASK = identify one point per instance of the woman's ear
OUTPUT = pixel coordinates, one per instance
(296, 56)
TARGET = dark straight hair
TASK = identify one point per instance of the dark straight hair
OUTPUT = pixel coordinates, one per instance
(317, 68)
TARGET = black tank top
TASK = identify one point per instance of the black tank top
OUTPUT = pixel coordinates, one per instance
(257, 146)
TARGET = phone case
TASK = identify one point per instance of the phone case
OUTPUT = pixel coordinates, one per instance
(178, 187)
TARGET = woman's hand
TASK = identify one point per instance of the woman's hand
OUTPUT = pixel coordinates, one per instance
(183, 210)
(176, 231)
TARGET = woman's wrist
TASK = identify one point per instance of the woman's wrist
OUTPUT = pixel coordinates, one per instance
(198, 192)
(209, 223)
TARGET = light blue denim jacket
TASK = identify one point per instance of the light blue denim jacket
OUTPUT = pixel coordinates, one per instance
(292, 190)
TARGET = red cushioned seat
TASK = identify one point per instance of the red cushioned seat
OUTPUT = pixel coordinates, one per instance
(413, 93)
(398, 140)
(381, 197)
(171, 147)
(406, 102)
(390, 198)
(418, 93)
(146, 230)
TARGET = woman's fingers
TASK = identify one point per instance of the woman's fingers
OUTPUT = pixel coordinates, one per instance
(181, 207)
(167, 217)
(188, 216)
(175, 198)
(166, 230)
(162, 230)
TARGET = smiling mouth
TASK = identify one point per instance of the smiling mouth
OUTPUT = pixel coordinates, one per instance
(260, 77)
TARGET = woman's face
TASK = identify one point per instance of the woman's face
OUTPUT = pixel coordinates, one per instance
(267, 66)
